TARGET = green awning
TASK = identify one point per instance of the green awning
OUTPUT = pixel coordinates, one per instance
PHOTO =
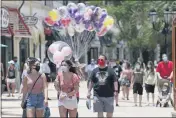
(2, 45)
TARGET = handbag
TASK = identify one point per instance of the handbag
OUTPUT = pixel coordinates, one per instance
(24, 104)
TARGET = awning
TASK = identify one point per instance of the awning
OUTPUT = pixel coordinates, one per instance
(2, 45)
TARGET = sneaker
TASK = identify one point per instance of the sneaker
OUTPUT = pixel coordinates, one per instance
(8, 95)
(49, 99)
(117, 105)
(128, 99)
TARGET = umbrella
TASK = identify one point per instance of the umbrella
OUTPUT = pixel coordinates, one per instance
(2, 45)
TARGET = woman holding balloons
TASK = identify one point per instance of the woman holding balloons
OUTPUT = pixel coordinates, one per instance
(67, 85)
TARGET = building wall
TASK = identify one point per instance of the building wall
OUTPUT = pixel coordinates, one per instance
(28, 9)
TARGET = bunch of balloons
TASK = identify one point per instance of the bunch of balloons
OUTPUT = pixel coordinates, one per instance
(79, 18)
(59, 51)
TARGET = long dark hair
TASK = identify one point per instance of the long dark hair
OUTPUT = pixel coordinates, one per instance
(31, 62)
(70, 64)
(152, 67)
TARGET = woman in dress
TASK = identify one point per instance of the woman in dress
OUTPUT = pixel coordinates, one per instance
(67, 85)
(125, 80)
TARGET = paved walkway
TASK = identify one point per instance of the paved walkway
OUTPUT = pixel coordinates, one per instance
(11, 106)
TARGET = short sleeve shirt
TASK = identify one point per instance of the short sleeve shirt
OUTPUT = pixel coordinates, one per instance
(138, 76)
(103, 80)
(117, 70)
(69, 85)
(165, 69)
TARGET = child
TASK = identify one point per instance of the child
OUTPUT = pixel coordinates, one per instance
(137, 83)
(164, 96)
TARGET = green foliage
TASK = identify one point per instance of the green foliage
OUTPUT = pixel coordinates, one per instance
(132, 19)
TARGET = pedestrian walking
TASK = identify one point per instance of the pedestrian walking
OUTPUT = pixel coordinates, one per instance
(117, 69)
(46, 70)
(24, 73)
(35, 90)
(165, 69)
(137, 83)
(2, 75)
(17, 79)
(104, 83)
(89, 68)
(125, 80)
(67, 86)
(10, 79)
(150, 81)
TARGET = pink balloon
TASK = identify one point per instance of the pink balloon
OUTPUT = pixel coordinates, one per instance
(58, 57)
(53, 48)
(66, 51)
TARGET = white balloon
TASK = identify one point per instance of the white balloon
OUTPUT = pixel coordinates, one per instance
(59, 45)
(71, 30)
(80, 27)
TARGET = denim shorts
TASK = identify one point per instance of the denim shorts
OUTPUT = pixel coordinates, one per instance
(36, 101)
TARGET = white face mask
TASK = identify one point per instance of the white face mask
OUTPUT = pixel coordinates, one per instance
(165, 58)
(65, 69)
(137, 66)
(149, 66)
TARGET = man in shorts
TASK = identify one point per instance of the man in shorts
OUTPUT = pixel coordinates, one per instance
(104, 82)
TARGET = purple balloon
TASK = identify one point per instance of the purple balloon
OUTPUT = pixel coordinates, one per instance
(72, 12)
(78, 18)
(103, 17)
(87, 23)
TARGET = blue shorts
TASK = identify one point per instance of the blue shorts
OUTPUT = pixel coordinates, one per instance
(35, 101)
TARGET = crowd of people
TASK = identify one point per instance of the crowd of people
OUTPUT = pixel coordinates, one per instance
(106, 80)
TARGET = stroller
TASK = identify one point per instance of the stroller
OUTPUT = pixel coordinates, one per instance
(164, 97)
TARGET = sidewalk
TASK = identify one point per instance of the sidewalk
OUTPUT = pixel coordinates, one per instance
(11, 106)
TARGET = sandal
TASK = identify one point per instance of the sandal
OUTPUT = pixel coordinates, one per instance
(8, 95)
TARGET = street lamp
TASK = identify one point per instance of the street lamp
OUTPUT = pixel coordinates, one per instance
(168, 16)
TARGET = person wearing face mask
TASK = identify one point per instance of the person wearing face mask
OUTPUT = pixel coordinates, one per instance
(89, 68)
(17, 79)
(34, 89)
(125, 80)
(165, 69)
(67, 86)
(46, 70)
(117, 69)
(150, 81)
(103, 80)
(137, 83)
(10, 79)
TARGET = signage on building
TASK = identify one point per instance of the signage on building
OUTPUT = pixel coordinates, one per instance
(30, 20)
(4, 18)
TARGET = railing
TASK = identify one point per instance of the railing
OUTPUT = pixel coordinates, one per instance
(17, 27)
